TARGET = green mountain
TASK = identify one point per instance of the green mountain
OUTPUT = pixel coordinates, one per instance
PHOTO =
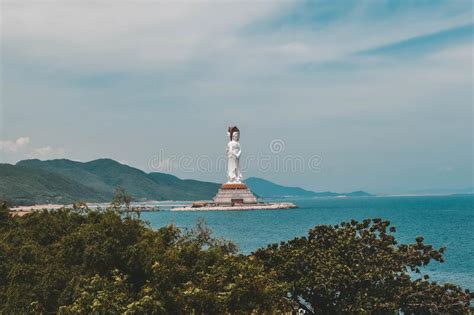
(69, 181)
(266, 189)
(23, 185)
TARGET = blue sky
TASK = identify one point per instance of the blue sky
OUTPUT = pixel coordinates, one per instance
(381, 91)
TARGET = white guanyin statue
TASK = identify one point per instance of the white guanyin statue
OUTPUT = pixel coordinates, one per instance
(233, 156)
(235, 195)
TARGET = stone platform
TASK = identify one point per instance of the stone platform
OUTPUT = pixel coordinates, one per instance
(247, 207)
(232, 194)
(234, 197)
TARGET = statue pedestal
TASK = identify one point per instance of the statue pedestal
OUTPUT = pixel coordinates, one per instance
(234, 195)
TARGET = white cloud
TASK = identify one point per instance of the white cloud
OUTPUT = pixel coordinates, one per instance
(14, 145)
(152, 36)
(131, 36)
(21, 148)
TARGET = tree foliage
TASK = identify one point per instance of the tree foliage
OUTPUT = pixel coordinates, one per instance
(357, 267)
(79, 261)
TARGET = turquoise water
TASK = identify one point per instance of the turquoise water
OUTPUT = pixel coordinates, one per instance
(442, 220)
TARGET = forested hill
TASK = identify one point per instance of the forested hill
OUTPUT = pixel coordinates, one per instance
(65, 181)
(25, 186)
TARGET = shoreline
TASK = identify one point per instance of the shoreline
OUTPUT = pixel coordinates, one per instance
(40, 207)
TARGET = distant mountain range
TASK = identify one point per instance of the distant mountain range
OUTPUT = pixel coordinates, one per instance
(64, 181)
(267, 189)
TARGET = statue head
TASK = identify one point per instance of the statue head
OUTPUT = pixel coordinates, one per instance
(234, 133)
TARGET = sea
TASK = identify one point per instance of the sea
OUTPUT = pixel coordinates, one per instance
(442, 220)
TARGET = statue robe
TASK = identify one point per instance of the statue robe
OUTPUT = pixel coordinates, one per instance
(233, 159)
